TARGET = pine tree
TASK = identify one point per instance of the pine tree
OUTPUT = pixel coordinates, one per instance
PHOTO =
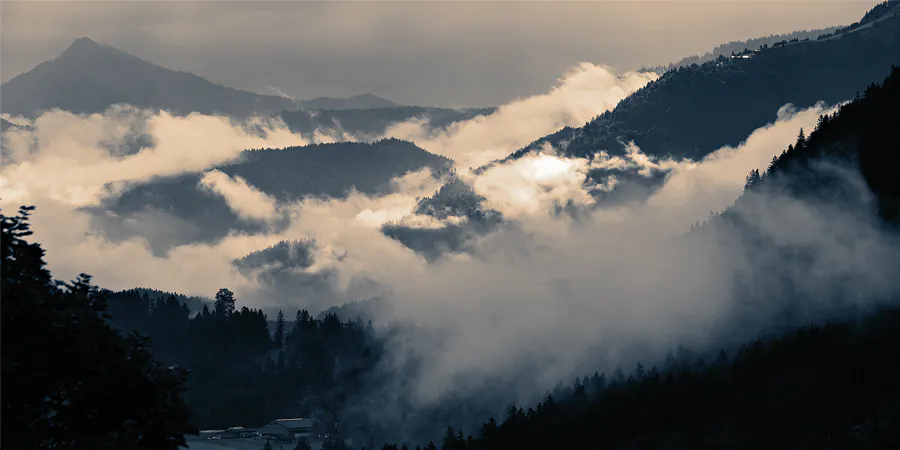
(279, 330)
(801, 139)
(224, 305)
(62, 359)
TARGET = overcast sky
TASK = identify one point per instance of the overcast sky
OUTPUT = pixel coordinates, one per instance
(473, 53)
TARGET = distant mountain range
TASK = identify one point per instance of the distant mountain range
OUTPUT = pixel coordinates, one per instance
(374, 122)
(89, 77)
(362, 101)
(319, 170)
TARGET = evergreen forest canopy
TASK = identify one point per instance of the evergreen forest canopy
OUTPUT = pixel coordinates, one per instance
(733, 47)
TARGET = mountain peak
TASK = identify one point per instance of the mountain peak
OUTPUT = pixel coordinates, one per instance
(89, 76)
(83, 44)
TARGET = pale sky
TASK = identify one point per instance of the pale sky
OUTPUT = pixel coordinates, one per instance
(459, 53)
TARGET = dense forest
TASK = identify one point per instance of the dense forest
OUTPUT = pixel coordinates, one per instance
(820, 387)
(243, 373)
(66, 371)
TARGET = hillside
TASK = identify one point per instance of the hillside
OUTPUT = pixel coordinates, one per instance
(738, 46)
(864, 134)
(320, 170)
(361, 101)
(88, 77)
(694, 110)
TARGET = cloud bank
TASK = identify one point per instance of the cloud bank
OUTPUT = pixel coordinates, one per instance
(584, 92)
(549, 295)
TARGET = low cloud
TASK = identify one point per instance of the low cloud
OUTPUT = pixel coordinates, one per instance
(549, 296)
(64, 162)
(245, 200)
(64, 157)
(279, 92)
(581, 94)
(555, 295)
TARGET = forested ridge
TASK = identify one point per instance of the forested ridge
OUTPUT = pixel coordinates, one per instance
(288, 174)
(375, 121)
(691, 111)
(243, 373)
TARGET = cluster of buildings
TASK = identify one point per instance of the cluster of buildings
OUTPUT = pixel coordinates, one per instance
(285, 430)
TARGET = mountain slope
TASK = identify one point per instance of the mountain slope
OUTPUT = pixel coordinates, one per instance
(321, 170)
(694, 110)
(361, 101)
(864, 134)
(739, 46)
(89, 77)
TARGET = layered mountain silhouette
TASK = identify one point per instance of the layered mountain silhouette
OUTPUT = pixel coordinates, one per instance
(361, 101)
(374, 122)
(290, 174)
(88, 77)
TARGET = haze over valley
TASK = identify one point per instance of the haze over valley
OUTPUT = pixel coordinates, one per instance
(395, 258)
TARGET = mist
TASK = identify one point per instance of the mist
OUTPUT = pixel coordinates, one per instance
(548, 295)
(582, 93)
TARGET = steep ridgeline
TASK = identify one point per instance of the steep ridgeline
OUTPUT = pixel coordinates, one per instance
(89, 77)
(805, 381)
(864, 135)
(691, 111)
(738, 46)
(361, 101)
(320, 170)
(373, 122)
